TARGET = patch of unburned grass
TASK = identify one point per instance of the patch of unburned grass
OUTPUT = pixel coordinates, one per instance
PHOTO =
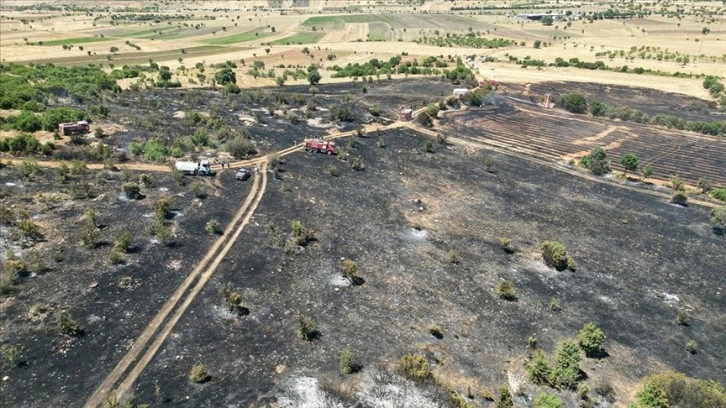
(378, 31)
(77, 40)
(299, 38)
(238, 38)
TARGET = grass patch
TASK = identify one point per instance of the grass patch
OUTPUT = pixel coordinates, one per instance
(299, 38)
(378, 31)
(238, 38)
(77, 40)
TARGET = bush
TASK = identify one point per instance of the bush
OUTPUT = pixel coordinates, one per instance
(682, 319)
(67, 325)
(28, 168)
(305, 328)
(428, 146)
(454, 256)
(679, 198)
(591, 339)
(538, 369)
(673, 389)
(505, 290)
(357, 164)
(241, 148)
(161, 232)
(505, 398)
(349, 269)
(546, 400)
(198, 374)
(29, 229)
(692, 347)
(212, 226)
(415, 366)
(231, 297)
(555, 255)
(718, 193)
(115, 257)
(162, 207)
(346, 362)
(132, 191)
(435, 331)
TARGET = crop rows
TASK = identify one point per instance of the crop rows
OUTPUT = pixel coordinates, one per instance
(554, 136)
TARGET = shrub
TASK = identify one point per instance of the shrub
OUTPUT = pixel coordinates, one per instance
(346, 362)
(123, 241)
(90, 235)
(679, 198)
(428, 146)
(231, 297)
(305, 328)
(566, 370)
(132, 191)
(454, 256)
(162, 207)
(555, 255)
(538, 369)
(505, 243)
(505, 290)
(676, 184)
(198, 374)
(67, 325)
(718, 193)
(29, 229)
(161, 232)
(718, 217)
(349, 269)
(357, 163)
(212, 226)
(28, 168)
(435, 331)
(505, 398)
(692, 347)
(532, 342)
(332, 170)
(591, 339)
(673, 389)
(415, 366)
(115, 257)
(682, 319)
(545, 400)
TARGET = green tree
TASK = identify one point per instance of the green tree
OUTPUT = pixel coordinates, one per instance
(225, 76)
(575, 103)
(566, 371)
(591, 339)
(596, 161)
(630, 162)
(547, 20)
(314, 77)
(505, 398)
(538, 370)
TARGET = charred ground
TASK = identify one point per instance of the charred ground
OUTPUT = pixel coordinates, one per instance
(640, 261)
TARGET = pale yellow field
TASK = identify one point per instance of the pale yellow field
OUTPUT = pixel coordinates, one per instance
(347, 41)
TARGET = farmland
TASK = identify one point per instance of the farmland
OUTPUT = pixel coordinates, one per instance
(469, 257)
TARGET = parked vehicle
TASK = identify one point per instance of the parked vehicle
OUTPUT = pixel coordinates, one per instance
(242, 174)
(320, 146)
(73, 128)
(201, 168)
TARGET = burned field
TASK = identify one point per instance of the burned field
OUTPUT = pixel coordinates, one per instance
(424, 229)
(560, 136)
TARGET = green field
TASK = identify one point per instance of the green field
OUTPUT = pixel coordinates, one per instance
(379, 31)
(77, 40)
(299, 38)
(337, 22)
(238, 38)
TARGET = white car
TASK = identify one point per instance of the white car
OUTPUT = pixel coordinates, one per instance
(242, 174)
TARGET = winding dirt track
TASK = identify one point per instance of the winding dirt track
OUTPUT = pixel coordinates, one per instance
(151, 339)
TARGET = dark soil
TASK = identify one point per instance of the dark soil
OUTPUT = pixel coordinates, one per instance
(639, 261)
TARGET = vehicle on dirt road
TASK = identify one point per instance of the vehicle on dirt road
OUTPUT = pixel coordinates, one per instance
(320, 146)
(242, 174)
(201, 168)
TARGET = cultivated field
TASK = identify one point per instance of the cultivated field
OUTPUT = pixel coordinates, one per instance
(124, 280)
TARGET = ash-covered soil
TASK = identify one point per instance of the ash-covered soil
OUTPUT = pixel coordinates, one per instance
(651, 101)
(640, 261)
